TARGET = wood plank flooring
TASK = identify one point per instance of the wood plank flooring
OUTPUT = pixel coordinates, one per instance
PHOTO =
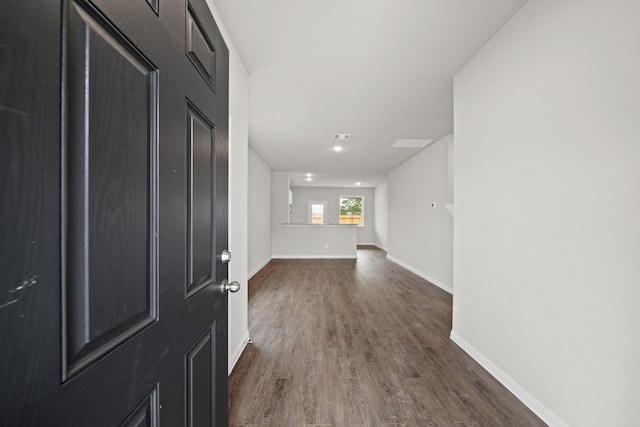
(349, 343)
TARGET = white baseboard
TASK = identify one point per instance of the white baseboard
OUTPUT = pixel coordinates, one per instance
(516, 389)
(315, 256)
(235, 356)
(260, 267)
(426, 277)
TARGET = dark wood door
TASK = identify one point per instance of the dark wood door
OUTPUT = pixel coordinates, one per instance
(113, 172)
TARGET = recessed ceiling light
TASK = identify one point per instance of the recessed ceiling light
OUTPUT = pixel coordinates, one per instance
(357, 183)
(308, 179)
(309, 174)
(337, 148)
(411, 143)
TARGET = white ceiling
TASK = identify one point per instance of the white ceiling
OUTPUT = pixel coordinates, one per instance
(377, 69)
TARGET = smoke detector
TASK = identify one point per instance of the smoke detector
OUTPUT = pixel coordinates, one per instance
(411, 143)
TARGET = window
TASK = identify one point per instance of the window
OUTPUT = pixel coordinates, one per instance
(317, 212)
(351, 210)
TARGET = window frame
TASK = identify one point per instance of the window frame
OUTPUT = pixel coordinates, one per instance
(310, 204)
(356, 196)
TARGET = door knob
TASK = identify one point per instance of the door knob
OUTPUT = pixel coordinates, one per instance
(225, 286)
(225, 256)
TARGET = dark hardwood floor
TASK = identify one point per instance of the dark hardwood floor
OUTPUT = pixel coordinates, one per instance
(349, 343)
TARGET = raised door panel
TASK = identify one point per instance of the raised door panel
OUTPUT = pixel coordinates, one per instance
(200, 172)
(199, 48)
(200, 381)
(110, 178)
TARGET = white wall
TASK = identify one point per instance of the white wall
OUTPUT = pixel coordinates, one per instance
(421, 237)
(300, 241)
(547, 199)
(301, 196)
(238, 146)
(280, 184)
(381, 199)
(259, 233)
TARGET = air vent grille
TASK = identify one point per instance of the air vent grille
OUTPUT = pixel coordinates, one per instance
(341, 136)
(411, 143)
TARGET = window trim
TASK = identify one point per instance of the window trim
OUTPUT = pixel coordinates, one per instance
(359, 196)
(310, 203)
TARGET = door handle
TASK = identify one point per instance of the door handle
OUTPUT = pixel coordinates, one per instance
(225, 286)
(225, 256)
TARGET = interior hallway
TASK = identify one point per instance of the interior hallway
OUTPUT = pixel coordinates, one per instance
(349, 343)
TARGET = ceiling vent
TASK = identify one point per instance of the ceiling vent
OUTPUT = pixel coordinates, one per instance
(341, 136)
(411, 143)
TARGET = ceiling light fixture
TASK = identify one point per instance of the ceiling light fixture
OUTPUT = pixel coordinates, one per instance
(337, 148)
(309, 174)
(357, 183)
(308, 178)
